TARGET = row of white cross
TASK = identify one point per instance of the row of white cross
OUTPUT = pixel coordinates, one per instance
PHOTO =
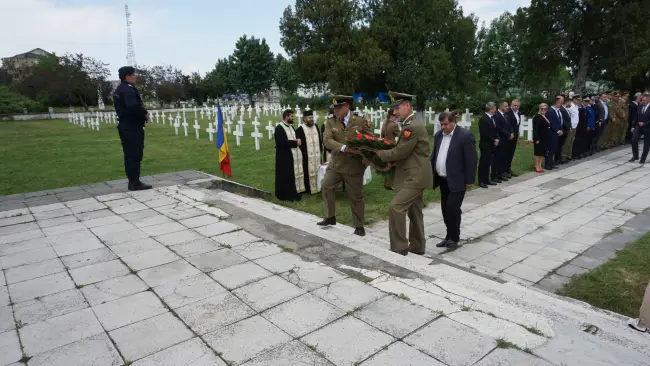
(180, 120)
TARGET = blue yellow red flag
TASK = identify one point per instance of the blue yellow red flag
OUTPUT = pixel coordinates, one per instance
(222, 145)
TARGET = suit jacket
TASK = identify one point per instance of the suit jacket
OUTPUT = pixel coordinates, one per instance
(643, 117)
(503, 126)
(600, 112)
(553, 118)
(487, 132)
(461, 159)
(410, 156)
(566, 119)
(632, 112)
(513, 119)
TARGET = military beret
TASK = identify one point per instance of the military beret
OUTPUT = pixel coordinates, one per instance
(339, 100)
(397, 98)
(308, 113)
(125, 70)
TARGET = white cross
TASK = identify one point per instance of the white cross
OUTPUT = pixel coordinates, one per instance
(228, 124)
(157, 117)
(257, 135)
(271, 129)
(177, 124)
(250, 110)
(307, 107)
(378, 130)
(210, 130)
(202, 114)
(97, 124)
(82, 120)
(163, 117)
(184, 124)
(195, 113)
(241, 124)
(239, 133)
(196, 128)
(171, 120)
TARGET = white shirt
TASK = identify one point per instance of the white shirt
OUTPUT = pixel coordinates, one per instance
(517, 116)
(574, 112)
(441, 160)
(345, 123)
(490, 115)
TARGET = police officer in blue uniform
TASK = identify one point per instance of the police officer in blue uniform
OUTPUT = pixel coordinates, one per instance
(132, 117)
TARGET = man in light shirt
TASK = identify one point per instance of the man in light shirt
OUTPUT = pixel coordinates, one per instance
(454, 170)
(574, 109)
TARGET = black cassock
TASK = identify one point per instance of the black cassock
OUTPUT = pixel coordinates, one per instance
(285, 180)
(300, 134)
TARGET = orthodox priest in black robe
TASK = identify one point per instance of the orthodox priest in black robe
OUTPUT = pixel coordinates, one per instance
(289, 179)
(312, 150)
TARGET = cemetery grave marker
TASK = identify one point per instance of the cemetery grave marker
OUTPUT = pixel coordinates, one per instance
(228, 124)
(177, 124)
(239, 132)
(257, 135)
(196, 128)
(171, 120)
(210, 130)
(271, 129)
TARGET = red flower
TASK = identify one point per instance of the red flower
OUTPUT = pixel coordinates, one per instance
(359, 136)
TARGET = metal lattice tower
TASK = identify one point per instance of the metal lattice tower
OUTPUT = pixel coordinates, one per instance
(130, 53)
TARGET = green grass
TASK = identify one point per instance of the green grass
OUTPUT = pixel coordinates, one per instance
(47, 154)
(617, 285)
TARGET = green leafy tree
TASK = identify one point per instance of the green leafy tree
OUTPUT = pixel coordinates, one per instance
(252, 65)
(219, 81)
(286, 75)
(328, 44)
(430, 45)
(497, 55)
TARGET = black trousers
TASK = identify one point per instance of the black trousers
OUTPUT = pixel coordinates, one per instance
(132, 138)
(636, 136)
(484, 164)
(560, 144)
(499, 160)
(450, 203)
(512, 147)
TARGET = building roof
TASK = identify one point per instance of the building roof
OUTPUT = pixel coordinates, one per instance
(35, 53)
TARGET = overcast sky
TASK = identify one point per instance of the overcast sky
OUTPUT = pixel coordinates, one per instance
(190, 34)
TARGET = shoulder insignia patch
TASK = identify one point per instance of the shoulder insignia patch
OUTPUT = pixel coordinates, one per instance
(406, 134)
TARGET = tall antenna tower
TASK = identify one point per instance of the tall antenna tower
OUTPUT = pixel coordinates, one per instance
(130, 53)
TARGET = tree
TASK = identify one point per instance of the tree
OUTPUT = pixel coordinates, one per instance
(219, 81)
(252, 66)
(430, 50)
(286, 75)
(161, 83)
(497, 55)
(328, 44)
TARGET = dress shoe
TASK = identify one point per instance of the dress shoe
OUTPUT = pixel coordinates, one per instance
(490, 183)
(633, 160)
(389, 188)
(555, 167)
(328, 221)
(442, 244)
(642, 161)
(497, 180)
(452, 244)
(416, 252)
(504, 179)
(139, 186)
(507, 175)
(539, 171)
(360, 231)
(513, 175)
(402, 252)
(482, 185)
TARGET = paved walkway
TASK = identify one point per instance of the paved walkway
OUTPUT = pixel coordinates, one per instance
(183, 275)
(545, 228)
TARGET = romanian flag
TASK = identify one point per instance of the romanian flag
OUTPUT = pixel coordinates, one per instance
(222, 145)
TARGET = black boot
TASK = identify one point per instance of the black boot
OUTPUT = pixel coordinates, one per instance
(360, 231)
(328, 221)
(139, 186)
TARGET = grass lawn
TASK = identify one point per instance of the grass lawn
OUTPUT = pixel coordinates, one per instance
(47, 154)
(617, 285)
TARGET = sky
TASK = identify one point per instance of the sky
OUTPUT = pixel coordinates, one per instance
(190, 35)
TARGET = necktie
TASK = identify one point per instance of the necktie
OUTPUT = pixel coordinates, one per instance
(559, 115)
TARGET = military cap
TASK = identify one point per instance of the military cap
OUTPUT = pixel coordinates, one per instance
(125, 70)
(397, 98)
(339, 100)
(576, 96)
(308, 113)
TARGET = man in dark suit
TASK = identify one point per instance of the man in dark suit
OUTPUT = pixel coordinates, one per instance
(488, 141)
(632, 112)
(601, 120)
(641, 127)
(506, 136)
(566, 127)
(514, 117)
(554, 117)
(454, 167)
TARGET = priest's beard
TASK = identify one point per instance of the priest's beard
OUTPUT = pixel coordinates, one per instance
(290, 121)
